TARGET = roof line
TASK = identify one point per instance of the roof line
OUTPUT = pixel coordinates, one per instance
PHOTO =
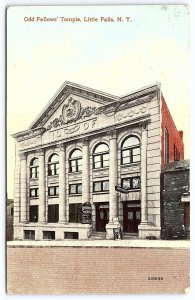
(71, 84)
(157, 83)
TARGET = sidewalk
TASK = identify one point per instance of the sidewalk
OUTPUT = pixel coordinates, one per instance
(102, 243)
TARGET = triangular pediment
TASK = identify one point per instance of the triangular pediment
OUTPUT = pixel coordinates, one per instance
(75, 110)
(72, 109)
(71, 96)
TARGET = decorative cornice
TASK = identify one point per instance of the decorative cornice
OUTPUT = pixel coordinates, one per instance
(133, 122)
(23, 135)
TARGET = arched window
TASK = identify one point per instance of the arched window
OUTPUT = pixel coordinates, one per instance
(53, 165)
(130, 150)
(75, 161)
(34, 168)
(101, 156)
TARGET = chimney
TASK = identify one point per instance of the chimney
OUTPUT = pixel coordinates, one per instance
(181, 134)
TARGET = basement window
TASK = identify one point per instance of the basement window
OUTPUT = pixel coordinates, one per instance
(49, 235)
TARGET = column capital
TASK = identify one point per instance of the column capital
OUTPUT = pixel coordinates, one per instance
(22, 155)
(61, 146)
(143, 125)
(40, 151)
(112, 133)
(85, 141)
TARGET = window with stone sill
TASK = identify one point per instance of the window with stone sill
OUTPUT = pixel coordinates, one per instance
(34, 168)
(101, 156)
(53, 165)
(75, 161)
(101, 186)
(131, 183)
(130, 150)
(75, 188)
(53, 191)
(34, 193)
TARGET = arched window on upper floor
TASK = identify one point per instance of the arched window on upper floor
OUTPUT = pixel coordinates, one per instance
(75, 161)
(53, 165)
(130, 150)
(34, 168)
(101, 156)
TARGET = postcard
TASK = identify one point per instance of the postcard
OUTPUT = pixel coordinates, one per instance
(98, 194)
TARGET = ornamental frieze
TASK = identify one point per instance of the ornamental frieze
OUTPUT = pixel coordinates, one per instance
(72, 111)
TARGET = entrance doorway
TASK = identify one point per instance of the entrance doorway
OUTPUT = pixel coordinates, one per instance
(102, 216)
(131, 216)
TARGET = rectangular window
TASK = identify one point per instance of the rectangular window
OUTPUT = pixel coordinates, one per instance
(75, 188)
(34, 193)
(101, 186)
(126, 183)
(75, 213)
(53, 191)
(135, 154)
(75, 165)
(130, 155)
(101, 160)
(166, 146)
(53, 213)
(131, 183)
(176, 153)
(29, 234)
(49, 235)
(33, 213)
(34, 172)
(53, 169)
(79, 164)
(71, 235)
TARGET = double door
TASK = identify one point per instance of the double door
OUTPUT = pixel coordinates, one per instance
(131, 216)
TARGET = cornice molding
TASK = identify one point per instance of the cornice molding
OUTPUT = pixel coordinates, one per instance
(24, 135)
(106, 130)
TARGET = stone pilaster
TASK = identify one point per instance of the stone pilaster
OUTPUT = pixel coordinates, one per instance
(85, 172)
(42, 200)
(62, 184)
(17, 187)
(113, 177)
(144, 217)
(113, 205)
(23, 189)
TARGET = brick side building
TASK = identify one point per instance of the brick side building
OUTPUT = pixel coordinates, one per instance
(175, 200)
(171, 139)
(82, 146)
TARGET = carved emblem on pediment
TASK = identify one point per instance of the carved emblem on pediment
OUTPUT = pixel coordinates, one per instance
(71, 110)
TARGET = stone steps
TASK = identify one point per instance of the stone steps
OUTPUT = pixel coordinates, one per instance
(98, 236)
(130, 236)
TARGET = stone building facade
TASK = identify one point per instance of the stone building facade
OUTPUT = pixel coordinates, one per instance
(81, 146)
(175, 200)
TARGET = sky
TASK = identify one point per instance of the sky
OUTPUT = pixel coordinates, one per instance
(115, 57)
